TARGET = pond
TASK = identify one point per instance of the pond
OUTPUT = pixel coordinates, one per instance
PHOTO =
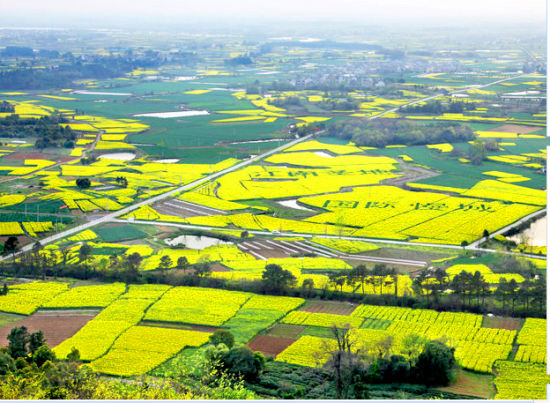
(536, 233)
(195, 242)
(293, 204)
(118, 156)
(175, 114)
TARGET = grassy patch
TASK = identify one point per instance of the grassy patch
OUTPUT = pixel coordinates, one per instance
(318, 331)
(470, 383)
(6, 318)
(120, 233)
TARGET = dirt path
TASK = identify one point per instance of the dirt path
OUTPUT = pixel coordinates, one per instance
(411, 174)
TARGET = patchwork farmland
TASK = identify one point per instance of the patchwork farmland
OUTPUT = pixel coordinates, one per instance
(216, 217)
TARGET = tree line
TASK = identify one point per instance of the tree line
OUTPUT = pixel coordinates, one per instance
(70, 68)
(6, 107)
(355, 365)
(382, 132)
(432, 288)
(437, 107)
(46, 129)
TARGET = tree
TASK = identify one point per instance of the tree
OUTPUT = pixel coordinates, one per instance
(42, 355)
(275, 279)
(358, 275)
(502, 289)
(133, 261)
(84, 252)
(459, 285)
(346, 368)
(392, 272)
(242, 362)
(338, 279)
(222, 336)
(182, 263)
(4, 290)
(477, 152)
(440, 276)
(379, 272)
(36, 248)
(307, 287)
(83, 183)
(74, 355)
(36, 340)
(539, 292)
(18, 339)
(7, 364)
(131, 265)
(202, 269)
(477, 281)
(11, 246)
(113, 261)
(435, 365)
(412, 346)
(65, 250)
(511, 290)
(165, 262)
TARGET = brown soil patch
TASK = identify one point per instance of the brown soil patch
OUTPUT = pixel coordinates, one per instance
(23, 239)
(29, 155)
(501, 322)
(515, 129)
(286, 331)
(38, 156)
(218, 267)
(334, 307)
(57, 326)
(185, 326)
(269, 345)
(472, 384)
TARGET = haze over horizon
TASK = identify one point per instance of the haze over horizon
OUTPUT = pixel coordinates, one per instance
(104, 13)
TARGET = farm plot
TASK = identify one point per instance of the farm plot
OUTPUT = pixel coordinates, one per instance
(24, 299)
(201, 306)
(393, 213)
(517, 381)
(258, 313)
(142, 348)
(98, 335)
(332, 307)
(270, 346)
(94, 296)
(120, 233)
(180, 208)
(57, 327)
(272, 182)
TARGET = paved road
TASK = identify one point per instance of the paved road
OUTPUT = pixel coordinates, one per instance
(126, 210)
(475, 245)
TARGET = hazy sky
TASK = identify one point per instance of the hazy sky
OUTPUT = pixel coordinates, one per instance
(368, 10)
